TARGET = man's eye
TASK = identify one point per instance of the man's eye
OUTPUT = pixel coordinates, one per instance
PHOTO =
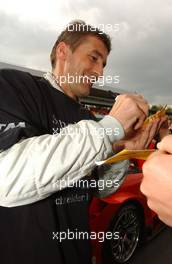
(93, 58)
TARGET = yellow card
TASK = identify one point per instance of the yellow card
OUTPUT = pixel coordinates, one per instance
(158, 114)
(135, 154)
(126, 154)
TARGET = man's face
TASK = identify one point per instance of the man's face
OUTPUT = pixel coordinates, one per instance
(88, 59)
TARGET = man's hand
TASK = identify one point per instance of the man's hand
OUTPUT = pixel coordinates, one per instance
(130, 110)
(141, 138)
(157, 180)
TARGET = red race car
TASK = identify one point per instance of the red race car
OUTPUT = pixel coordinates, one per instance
(122, 220)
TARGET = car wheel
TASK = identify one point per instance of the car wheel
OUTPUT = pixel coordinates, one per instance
(128, 222)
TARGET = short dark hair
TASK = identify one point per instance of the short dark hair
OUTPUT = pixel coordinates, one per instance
(75, 33)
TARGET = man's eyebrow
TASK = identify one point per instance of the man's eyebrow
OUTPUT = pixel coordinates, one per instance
(100, 55)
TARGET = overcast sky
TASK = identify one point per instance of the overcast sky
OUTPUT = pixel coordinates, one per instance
(142, 49)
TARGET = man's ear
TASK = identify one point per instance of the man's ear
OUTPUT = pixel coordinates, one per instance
(62, 50)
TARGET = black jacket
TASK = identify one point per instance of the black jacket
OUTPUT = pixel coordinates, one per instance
(30, 106)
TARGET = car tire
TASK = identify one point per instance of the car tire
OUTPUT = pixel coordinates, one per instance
(129, 223)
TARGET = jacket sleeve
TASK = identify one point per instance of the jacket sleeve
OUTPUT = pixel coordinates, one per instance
(33, 168)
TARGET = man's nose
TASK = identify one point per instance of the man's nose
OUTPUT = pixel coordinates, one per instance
(98, 70)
